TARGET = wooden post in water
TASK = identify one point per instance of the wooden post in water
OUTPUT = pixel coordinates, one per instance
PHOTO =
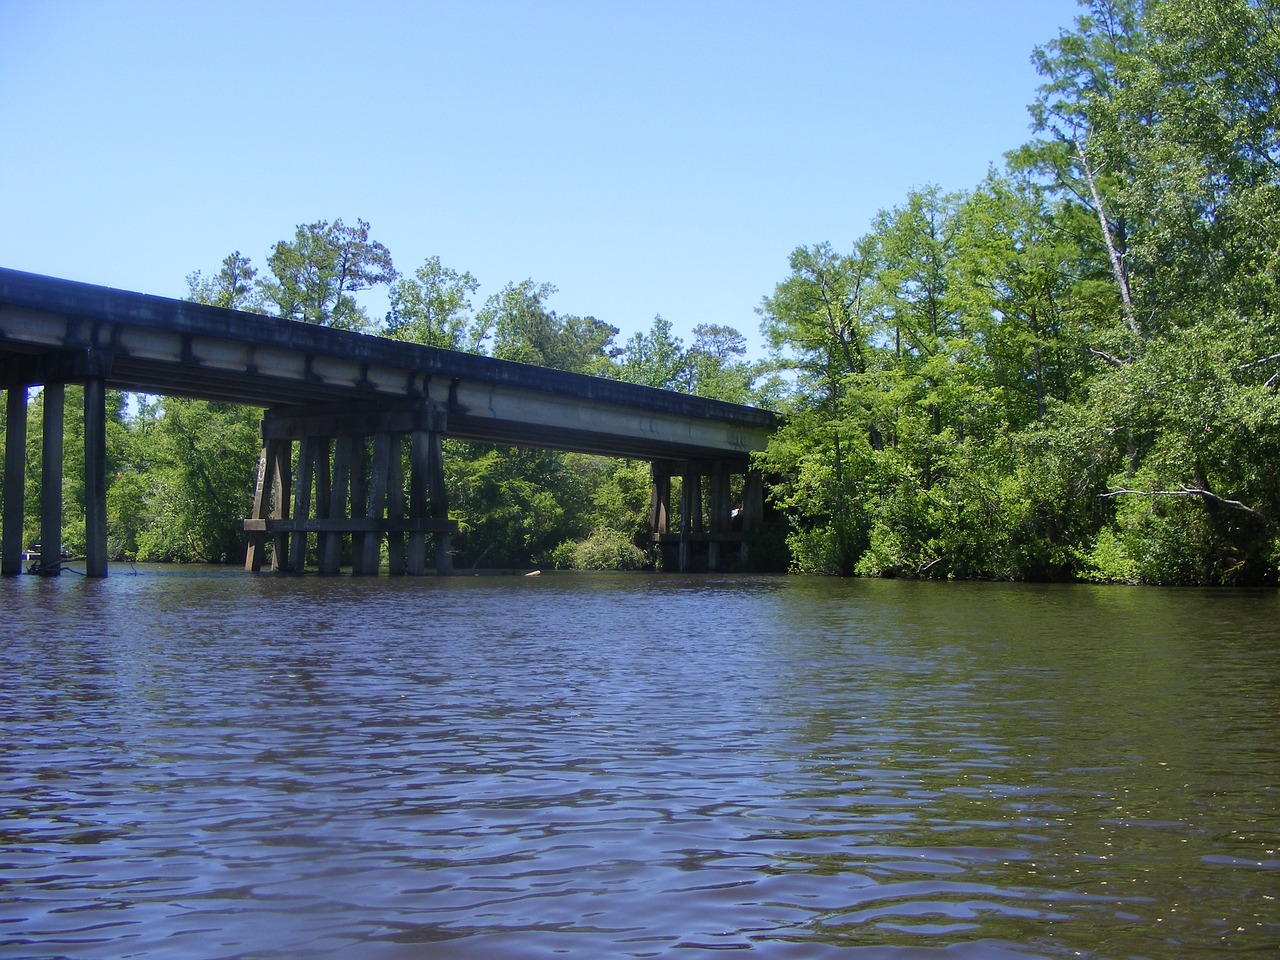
(660, 497)
(270, 499)
(690, 511)
(659, 506)
(439, 503)
(332, 540)
(379, 471)
(353, 490)
(417, 560)
(258, 511)
(359, 493)
(281, 478)
(15, 481)
(324, 484)
(95, 477)
(395, 507)
(302, 486)
(718, 512)
(752, 507)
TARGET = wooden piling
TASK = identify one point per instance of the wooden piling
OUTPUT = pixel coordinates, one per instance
(350, 481)
(395, 507)
(95, 477)
(15, 481)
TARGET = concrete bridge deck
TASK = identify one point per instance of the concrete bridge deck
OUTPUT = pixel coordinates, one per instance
(320, 381)
(61, 330)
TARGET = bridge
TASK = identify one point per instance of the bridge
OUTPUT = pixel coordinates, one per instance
(343, 414)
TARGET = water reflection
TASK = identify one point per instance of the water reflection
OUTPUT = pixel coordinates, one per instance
(211, 765)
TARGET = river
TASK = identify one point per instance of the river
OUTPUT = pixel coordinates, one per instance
(205, 764)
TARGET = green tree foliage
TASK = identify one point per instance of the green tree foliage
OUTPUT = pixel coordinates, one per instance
(526, 331)
(514, 505)
(433, 307)
(1190, 121)
(235, 287)
(315, 276)
(1071, 370)
(716, 367)
(613, 519)
(190, 488)
(654, 358)
(713, 367)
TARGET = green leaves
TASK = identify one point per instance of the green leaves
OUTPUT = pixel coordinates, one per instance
(1072, 370)
(314, 277)
(433, 307)
(712, 367)
(526, 331)
(234, 288)
(191, 481)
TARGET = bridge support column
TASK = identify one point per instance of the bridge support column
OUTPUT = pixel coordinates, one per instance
(270, 495)
(718, 512)
(660, 498)
(350, 482)
(15, 481)
(397, 559)
(690, 512)
(339, 491)
(89, 365)
(752, 515)
(438, 501)
(713, 540)
(95, 477)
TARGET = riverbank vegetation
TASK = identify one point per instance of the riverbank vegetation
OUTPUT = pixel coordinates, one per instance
(1068, 371)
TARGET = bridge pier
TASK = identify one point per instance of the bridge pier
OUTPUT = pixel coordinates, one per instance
(349, 483)
(712, 538)
(53, 372)
(15, 481)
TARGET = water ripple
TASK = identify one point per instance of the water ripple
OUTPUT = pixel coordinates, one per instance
(215, 766)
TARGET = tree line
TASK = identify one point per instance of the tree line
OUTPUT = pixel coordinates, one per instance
(1069, 371)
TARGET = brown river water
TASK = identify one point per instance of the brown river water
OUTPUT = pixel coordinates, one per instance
(204, 764)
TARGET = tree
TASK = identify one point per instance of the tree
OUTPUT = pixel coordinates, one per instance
(193, 484)
(433, 307)
(1027, 293)
(1080, 107)
(715, 365)
(233, 288)
(514, 505)
(526, 331)
(819, 321)
(819, 325)
(314, 277)
(655, 358)
(1171, 115)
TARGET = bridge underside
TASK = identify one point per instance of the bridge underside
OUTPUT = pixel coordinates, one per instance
(322, 390)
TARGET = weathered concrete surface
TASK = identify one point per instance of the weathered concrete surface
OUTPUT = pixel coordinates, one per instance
(53, 330)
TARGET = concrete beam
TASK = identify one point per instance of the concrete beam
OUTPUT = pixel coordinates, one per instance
(173, 347)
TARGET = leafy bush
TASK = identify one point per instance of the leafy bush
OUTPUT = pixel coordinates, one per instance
(603, 550)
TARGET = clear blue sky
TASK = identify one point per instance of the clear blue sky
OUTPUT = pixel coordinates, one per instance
(643, 156)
